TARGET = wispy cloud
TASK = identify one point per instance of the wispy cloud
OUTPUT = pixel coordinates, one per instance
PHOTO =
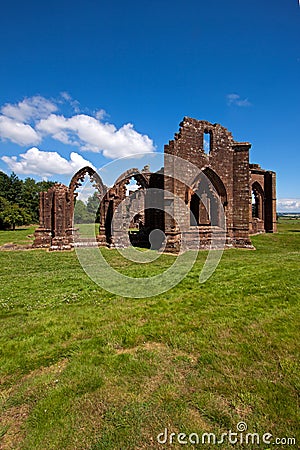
(235, 99)
(33, 108)
(288, 205)
(101, 114)
(69, 99)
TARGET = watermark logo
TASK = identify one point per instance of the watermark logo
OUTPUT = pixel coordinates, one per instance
(241, 426)
(173, 202)
(240, 436)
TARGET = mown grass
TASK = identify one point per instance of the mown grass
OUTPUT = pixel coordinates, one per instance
(19, 236)
(84, 369)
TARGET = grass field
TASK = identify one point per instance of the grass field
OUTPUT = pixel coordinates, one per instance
(21, 236)
(84, 369)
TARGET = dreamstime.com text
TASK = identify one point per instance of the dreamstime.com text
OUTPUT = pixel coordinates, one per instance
(241, 436)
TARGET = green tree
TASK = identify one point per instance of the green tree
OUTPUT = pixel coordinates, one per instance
(81, 214)
(13, 214)
(45, 185)
(3, 204)
(30, 196)
(93, 206)
(14, 189)
(23, 193)
(4, 184)
(10, 187)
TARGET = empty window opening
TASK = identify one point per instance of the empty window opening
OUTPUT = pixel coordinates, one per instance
(200, 209)
(194, 210)
(255, 205)
(207, 142)
(87, 205)
(131, 187)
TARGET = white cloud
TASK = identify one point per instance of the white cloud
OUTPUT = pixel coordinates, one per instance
(33, 108)
(288, 205)
(45, 164)
(29, 121)
(235, 99)
(86, 191)
(93, 135)
(17, 132)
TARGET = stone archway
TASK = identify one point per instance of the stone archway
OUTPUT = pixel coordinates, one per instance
(228, 184)
(257, 208)
(56, 228)
(115, 200)
(204, 199)
(97, 182)
(78, 178)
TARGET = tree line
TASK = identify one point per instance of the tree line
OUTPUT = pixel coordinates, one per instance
(19, 202)
(88, 212)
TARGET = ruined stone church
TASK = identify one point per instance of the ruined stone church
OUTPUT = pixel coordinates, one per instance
(221, 183)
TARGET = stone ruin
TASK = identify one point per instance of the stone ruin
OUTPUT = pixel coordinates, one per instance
(247, 194)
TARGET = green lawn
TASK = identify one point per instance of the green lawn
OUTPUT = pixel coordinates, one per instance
(20, 236)
(84, 369)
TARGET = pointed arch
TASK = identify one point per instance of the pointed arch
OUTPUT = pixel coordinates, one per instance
(208, 197)
(78, 178)
(139, 176)
(256, 186)
(258, 204)
(208, 176)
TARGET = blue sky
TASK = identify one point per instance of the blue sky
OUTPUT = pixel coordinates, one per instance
(94, 80)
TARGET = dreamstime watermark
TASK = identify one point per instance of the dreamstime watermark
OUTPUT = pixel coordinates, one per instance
(181, 179)
(240, 436)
